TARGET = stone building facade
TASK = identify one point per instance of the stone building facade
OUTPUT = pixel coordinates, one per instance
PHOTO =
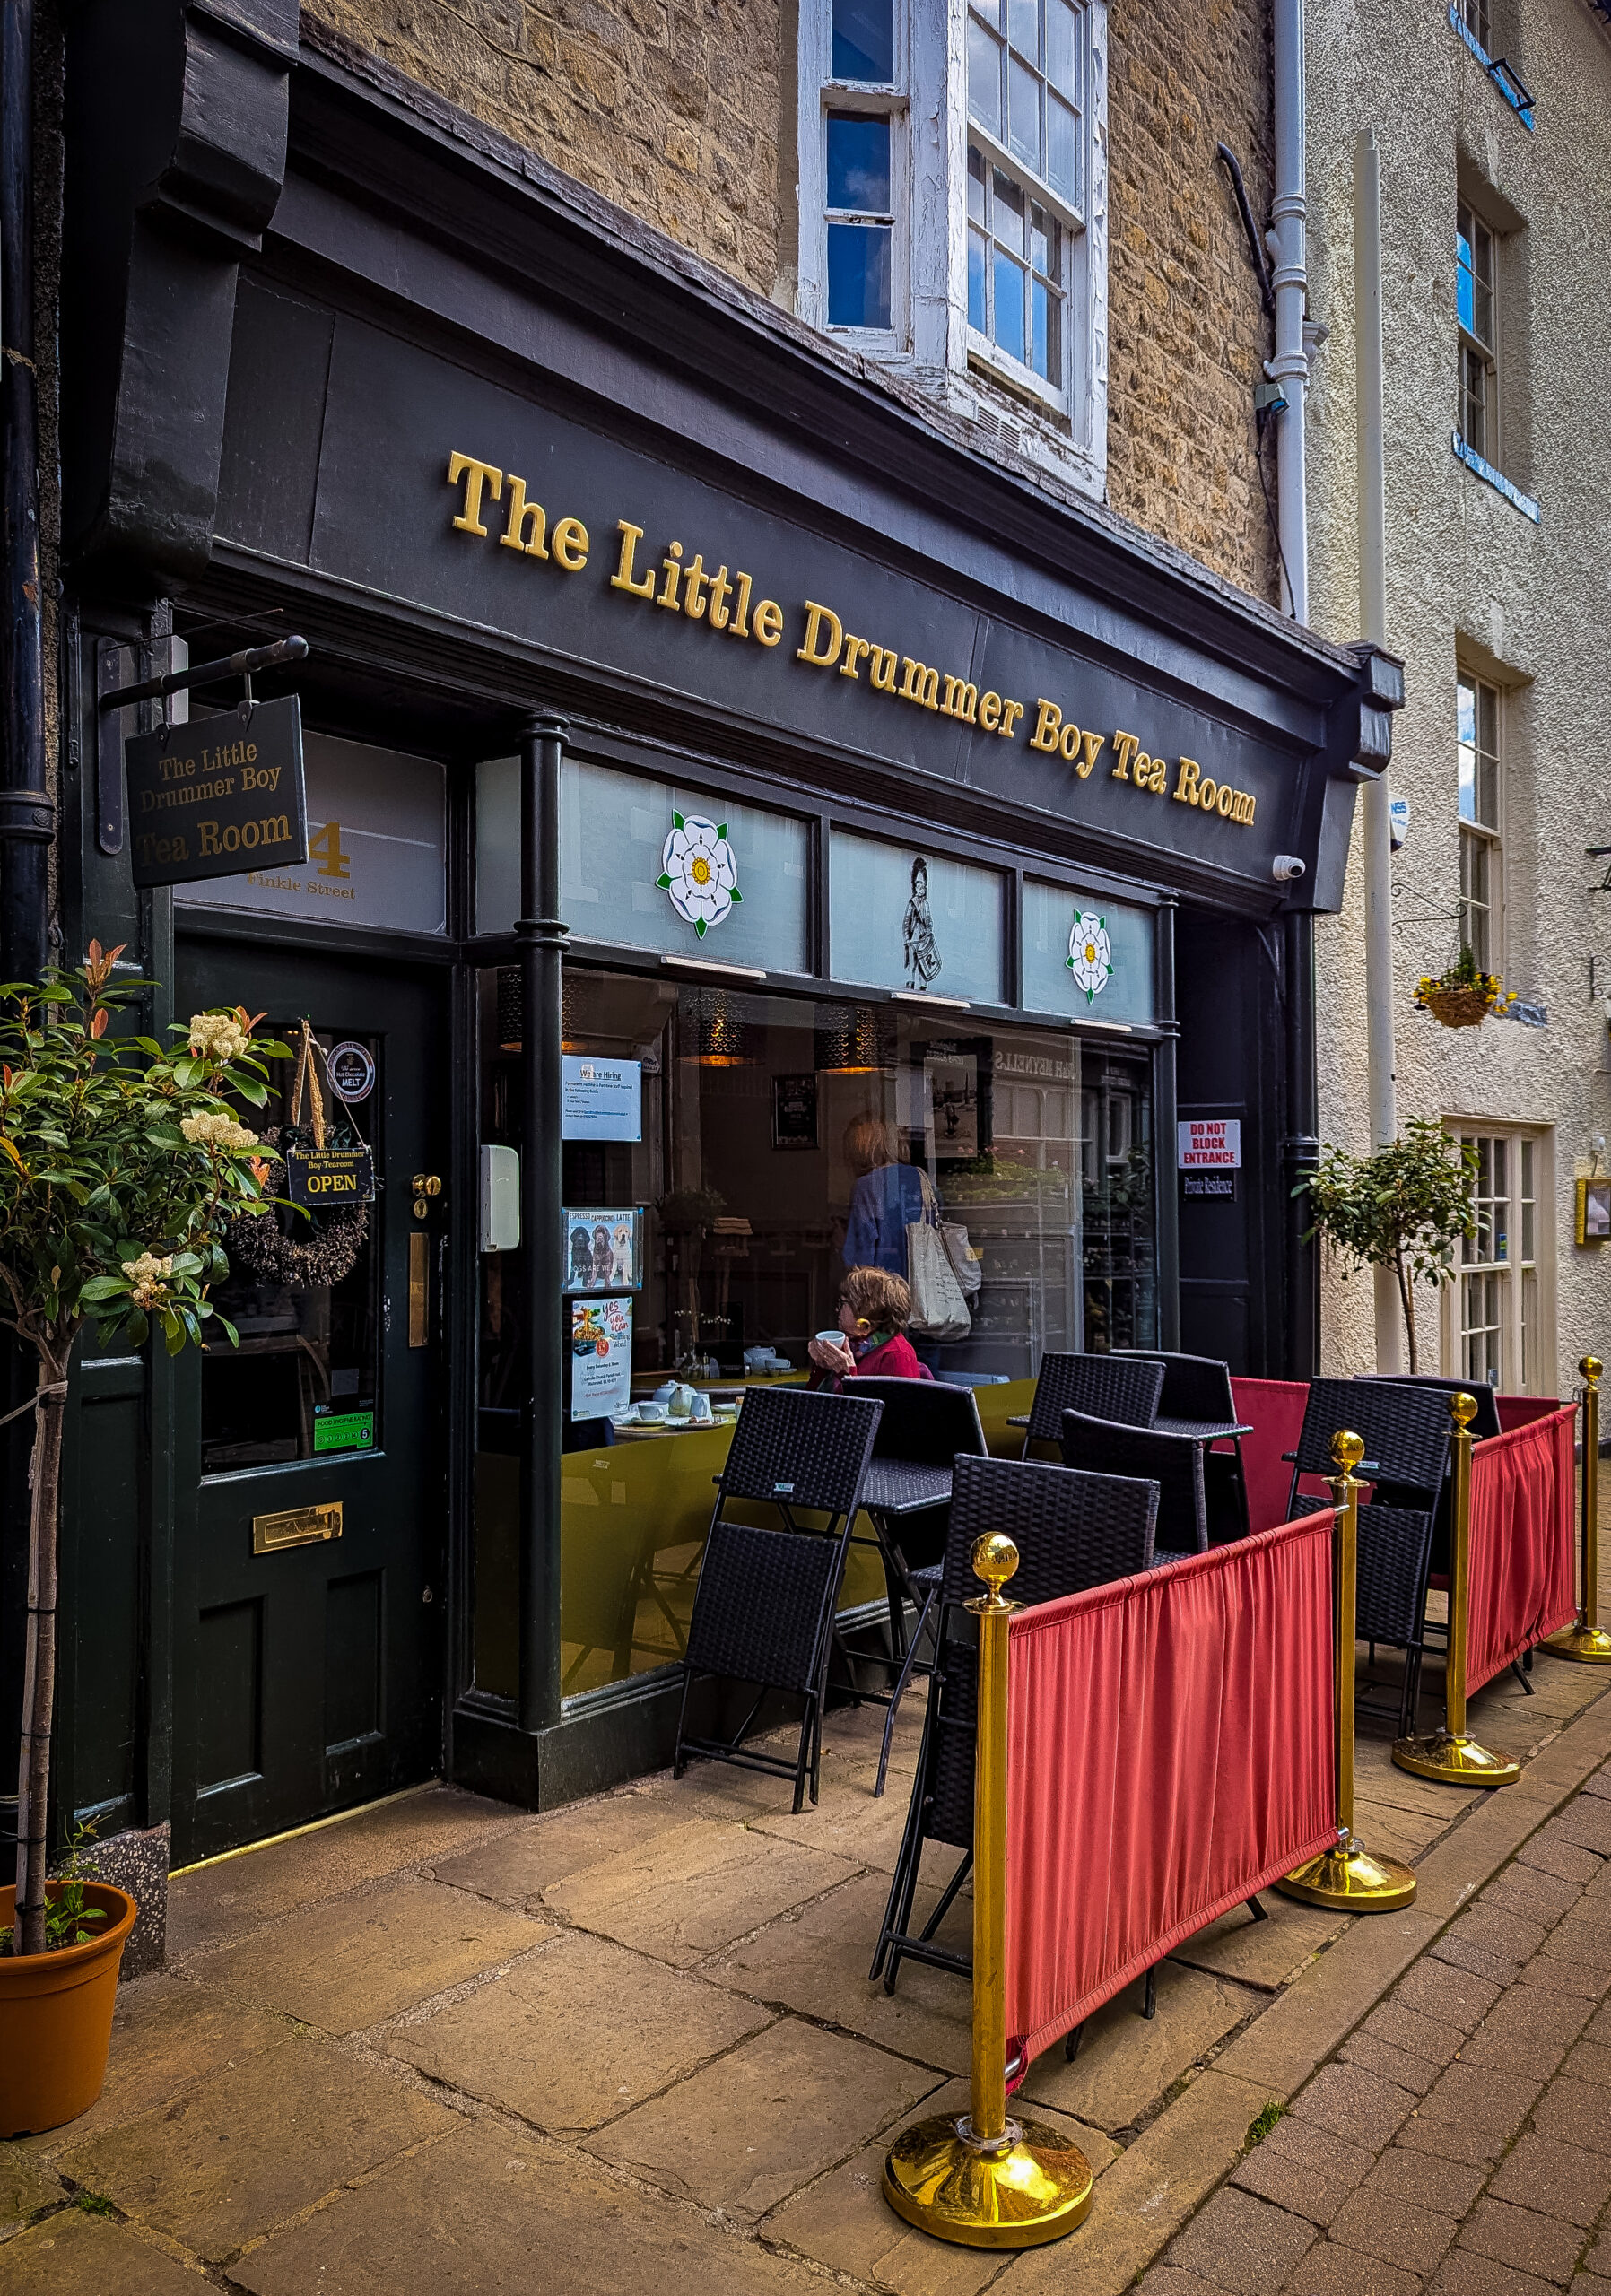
(1498, 581)
(686, 116)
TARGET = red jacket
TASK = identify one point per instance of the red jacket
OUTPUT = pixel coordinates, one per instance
(897, 1358)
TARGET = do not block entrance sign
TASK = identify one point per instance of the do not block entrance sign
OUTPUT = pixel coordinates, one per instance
(223, 794)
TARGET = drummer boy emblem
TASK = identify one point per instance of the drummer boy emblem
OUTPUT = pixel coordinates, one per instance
(698, 871)
(917, 932)
(1090, 954)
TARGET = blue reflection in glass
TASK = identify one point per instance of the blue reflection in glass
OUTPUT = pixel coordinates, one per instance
(859, 161)
(863, 40)
(859, 274)
(976, 316)
(1009, 307)
(1466, 276)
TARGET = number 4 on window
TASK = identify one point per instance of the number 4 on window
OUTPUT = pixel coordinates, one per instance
(327, 845)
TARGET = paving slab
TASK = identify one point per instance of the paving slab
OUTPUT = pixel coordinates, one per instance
(1269, 1952)
(250, 2146)
(74, 2254)
(575, 2035)
(773, 2113)
(816, 1962)
(207, 1905)
(1127, 2061)
(486, 2211)
(517, 1866)
(347, 1964)
(166, 2033)
(843, 2223)
(26, 2186)
(694, 1890)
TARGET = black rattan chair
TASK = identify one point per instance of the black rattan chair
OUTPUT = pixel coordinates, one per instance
(1173, 1462)
(1486, 1421)
(763, 1610)
(1123, 1388)
(925, 1426)
(1197, 1401)
(1072, 1531)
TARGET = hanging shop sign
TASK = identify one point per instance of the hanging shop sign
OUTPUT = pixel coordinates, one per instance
(1206, 1143)
(218, 796)
(319, 1179)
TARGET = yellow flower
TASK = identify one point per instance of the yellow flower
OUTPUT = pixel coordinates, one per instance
(217, 1036)
(146, 1274)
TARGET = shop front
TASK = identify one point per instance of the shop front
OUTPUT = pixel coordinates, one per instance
(738, 811)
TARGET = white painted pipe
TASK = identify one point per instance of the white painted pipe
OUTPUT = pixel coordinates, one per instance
(1289, 365)
(1370, 463)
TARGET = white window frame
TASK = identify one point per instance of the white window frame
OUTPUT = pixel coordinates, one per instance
(1523, 1282)
(1489, 834)
(1487, 353)
(929, 334)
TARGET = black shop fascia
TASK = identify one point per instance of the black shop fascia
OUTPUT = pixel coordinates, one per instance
(1013, 826)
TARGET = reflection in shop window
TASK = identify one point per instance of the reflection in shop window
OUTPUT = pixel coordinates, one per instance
(782, 1139)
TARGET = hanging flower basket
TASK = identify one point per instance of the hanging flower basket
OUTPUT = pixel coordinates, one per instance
(1464, 995)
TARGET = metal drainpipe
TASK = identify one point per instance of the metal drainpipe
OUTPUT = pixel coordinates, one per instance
(1289, 365)
(1375, 822)
(27, 817)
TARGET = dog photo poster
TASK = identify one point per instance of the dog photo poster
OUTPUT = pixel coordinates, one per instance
(603, 1249)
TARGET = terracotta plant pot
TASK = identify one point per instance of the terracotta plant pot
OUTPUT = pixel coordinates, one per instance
(1458, 1008)
(55, 2017)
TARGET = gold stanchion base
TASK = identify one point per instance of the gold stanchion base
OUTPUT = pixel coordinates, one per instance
(1590, 1645)
(1350, 1877)
(1032, 2188)
(1454, 1762)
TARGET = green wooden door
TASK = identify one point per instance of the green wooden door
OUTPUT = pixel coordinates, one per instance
(307, 1673)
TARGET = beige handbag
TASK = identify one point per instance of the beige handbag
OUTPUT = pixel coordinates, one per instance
(938, 1308)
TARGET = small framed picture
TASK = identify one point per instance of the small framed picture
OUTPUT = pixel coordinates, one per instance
(794, 1111)
(603, 1249)
(1594, 1211)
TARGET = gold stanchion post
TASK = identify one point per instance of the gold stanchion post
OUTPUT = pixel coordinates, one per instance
(1451, 1755)
(983, 2179)
(1348, 1874)
(1587, 1641)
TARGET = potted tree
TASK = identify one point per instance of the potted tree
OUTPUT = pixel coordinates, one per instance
(1403, 1208)
(121, 1164)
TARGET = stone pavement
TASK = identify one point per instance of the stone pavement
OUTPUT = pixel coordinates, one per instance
(1460, 2141)
(630, 2046)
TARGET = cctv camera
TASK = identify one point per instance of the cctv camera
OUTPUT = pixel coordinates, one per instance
(1284, 868)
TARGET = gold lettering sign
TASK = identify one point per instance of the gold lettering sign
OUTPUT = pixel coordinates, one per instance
(296, 1526)
(687, 587)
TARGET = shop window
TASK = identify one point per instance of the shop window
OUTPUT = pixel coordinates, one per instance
(649, 864)
(1478, 718)
(377, 845)
(780, 1139)
(1494, 1326)
(304, 1381)
(1086, 955)
(915, 921)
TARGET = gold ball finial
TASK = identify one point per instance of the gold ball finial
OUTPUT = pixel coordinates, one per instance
(1591, 1367)
(1462, 1409)
(1347, 1448)
(995, 1560)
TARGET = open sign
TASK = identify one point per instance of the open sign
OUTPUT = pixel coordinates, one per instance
(322, 1178)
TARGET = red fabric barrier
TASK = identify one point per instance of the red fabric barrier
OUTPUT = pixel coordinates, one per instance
(1520, 1410)
(1169, 1751)
(1523, 1582)
(1273, 1410)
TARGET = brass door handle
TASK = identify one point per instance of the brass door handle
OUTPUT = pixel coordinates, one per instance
(425, 1185)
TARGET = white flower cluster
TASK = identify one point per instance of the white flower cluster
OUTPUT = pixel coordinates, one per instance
(217, 1036)
(208, 1131)
(146, 1274)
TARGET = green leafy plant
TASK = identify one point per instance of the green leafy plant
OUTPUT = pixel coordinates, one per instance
(121, 1165)
(1404, 1208)
(67, 1918)
(1262, 2122)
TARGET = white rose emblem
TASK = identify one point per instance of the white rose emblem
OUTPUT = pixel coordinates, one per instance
(700, 872)
(1090, 954)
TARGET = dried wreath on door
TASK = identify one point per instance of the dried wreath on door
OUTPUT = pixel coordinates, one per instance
(317, 1247)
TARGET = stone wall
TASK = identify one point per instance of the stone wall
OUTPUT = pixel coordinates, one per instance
(670, 107)
(1472, 581)
(1188, 334)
